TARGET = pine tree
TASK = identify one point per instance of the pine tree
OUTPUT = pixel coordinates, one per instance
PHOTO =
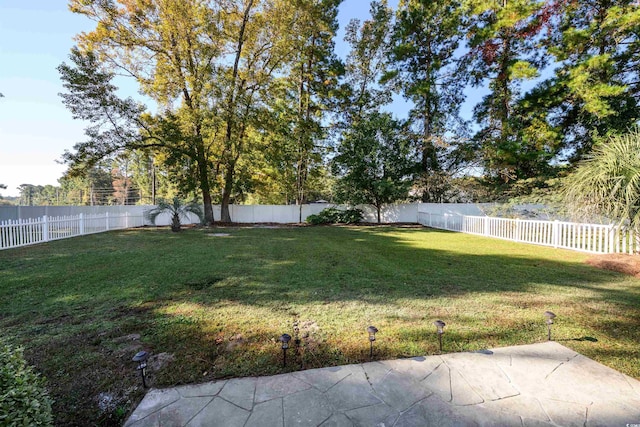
(423, 66)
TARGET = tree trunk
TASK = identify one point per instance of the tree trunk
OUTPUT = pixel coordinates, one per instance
(225, 215)
(175, 222)
(429, 154)
(379, 208)
(301, 144)
(206, 192)
(208, 209)
(304, 118)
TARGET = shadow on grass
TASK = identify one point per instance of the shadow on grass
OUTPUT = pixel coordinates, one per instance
(296, 267)
(219, 304)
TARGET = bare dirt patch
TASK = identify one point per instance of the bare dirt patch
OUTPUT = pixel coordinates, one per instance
(622, 263)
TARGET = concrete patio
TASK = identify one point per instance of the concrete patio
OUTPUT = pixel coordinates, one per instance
(532, 385)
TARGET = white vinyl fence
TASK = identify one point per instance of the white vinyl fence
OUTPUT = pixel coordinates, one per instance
(23, 232)
(595, 238)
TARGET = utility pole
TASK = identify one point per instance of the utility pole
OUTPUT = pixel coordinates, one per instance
(153, 183)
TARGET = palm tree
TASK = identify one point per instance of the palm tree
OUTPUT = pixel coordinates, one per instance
(607, 182)
(177, 209)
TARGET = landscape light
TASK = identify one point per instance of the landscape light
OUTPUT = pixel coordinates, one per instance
(141, 359)
(284, 339)
(550, 316)
(296, 335)
(439, 324)
(372, 330)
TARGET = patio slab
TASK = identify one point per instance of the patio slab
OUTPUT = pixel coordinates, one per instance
(538, 384)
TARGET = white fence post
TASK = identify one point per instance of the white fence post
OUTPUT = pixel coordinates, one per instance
(126, 220)
(81, 224)
(20, 232)
(555, 234)
(486, 225)
(107, 216)
(45, 229)
(610, 240)
(445, 222)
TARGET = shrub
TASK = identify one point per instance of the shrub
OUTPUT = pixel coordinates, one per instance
(336, 216)
(24, 400)
(326, 216)
(314, 219)
(352, 216)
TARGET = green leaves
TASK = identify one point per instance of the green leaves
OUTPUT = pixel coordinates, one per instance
(596, 45)
(246, 88)
(607, 182)
(336, 216)
(523, 70)
(24, 400)
(585, 82)
(177, 209)
(374, 162)
(367, 71)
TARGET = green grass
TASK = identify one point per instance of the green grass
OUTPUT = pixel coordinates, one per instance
(218, 304)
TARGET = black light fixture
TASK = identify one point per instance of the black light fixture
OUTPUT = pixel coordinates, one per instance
(550, 316)
(296, 335)
(141, 359)
(372, 330)
(439, 324)
(284, 339)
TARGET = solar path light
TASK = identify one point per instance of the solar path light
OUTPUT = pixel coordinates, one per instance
(284, 339)
(141, 359)
(372, 330)
(550, 316)
(439, 324)
(296, 335)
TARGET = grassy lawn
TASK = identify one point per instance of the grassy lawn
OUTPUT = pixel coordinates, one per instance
(218, 304)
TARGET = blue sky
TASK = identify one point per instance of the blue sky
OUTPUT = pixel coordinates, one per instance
(35, 128)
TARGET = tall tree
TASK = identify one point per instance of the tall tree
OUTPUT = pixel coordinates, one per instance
(234, 90)
(425, 39)
(167, 47)
(313, 70)
(259, 36)
(291, 143)
(366, 64)
(26, 194)
(209, 67)
(596, 89)
(504, 52)
(374, 162)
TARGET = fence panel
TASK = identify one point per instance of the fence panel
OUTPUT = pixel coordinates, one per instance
(593, 238)
(30, 231)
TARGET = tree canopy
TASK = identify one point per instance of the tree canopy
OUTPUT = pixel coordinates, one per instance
(247, 101)
(374, 162)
